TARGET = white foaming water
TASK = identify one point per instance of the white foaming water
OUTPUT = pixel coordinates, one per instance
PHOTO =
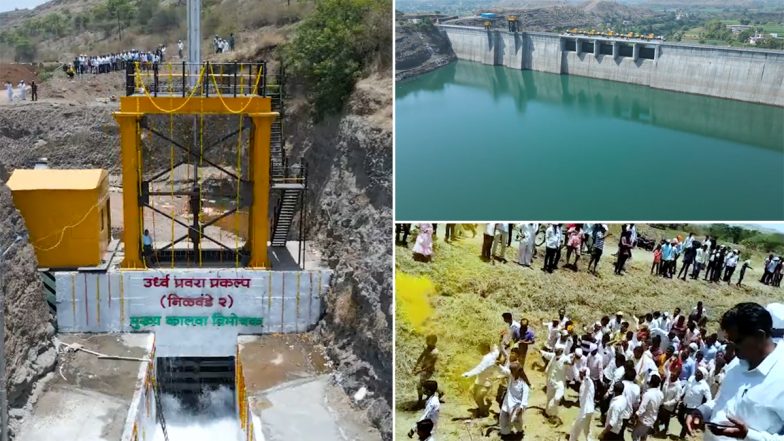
(215, 419)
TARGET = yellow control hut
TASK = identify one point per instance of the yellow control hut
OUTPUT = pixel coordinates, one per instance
(67, 214)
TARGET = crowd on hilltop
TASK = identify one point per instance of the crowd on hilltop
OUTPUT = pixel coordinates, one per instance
(685, 258)
(636, 373)
(111, 62)
(221, 45)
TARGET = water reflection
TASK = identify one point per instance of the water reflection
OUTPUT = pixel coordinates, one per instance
(747, 123)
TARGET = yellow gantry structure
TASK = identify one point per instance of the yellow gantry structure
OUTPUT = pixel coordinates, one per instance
(133, 108)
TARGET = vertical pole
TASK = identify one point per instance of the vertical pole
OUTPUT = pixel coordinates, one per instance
(207, 80)
(235, 79)
(194, 39)
(130, 175)
(258, 233)
(155, 79)
(183, 80)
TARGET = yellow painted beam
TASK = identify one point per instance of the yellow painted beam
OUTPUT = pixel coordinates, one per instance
(195, 105)
(258, 225)
(129, 145)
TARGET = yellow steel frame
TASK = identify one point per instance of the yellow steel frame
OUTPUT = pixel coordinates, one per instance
(258, 108)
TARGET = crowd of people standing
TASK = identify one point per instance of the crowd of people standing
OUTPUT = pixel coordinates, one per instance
(685, 258)
(636, 374)
(112, 62)
(21, 92)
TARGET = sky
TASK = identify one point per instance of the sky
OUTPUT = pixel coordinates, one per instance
(10, 5)
(777, 227)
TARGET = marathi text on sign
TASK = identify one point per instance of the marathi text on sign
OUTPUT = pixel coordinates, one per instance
(190, 282)
(218, 319)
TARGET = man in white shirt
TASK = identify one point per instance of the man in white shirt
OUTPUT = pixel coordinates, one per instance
(644, 365)
(730, 262)
(631, 390)
(615, 322)
(526, 253)
(552, 242)
(583, 422)
(595, 365)
(696, 391)
(515, 400)
(617, 412)
(484, 373)
(671, 391)
(432, 407)
(648, 412)
(556, 377)
(613, 374)
(487, 242)
(750, 403)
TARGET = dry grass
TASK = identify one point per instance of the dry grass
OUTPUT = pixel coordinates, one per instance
(470, 295)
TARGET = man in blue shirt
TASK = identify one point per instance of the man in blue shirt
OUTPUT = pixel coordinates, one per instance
(147, 246)
(689, 364)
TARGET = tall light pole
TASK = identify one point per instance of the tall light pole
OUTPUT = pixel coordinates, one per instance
(3, 382)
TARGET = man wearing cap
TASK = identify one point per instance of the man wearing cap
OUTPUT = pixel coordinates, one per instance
(583, 422)
(696, 391)
(556, 376)
(750, 403)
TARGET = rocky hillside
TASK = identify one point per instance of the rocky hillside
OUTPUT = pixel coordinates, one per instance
(350, 159)
(29, 351)
(420, 48)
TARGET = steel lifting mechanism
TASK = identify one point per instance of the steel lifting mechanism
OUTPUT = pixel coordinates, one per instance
(205, 92)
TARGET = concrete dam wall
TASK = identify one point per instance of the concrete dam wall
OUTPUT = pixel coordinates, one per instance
(752, 75)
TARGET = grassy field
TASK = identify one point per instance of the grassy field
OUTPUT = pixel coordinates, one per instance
(460, 298)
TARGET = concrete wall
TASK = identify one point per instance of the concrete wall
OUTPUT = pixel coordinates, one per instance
(752, 75)
(122, 301)
(140, 424)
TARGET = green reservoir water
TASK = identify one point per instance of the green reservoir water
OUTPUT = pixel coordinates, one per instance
(477, 142)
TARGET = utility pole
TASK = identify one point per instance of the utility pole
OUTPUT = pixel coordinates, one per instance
(194, 59)
(3, 382)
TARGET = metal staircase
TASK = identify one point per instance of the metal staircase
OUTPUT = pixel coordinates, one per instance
(277, 154)
(288, 204)
(288, 181)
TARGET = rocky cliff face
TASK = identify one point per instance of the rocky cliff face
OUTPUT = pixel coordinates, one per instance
(419, 49)
(29, 351)
(350, 204)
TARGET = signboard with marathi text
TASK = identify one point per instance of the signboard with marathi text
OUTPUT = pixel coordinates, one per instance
(193, 306)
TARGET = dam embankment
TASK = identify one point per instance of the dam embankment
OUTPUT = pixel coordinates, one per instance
(753, 75)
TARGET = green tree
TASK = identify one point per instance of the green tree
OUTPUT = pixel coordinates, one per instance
(333, 45)
(120, 11)
(146, 11)
(25, 50)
